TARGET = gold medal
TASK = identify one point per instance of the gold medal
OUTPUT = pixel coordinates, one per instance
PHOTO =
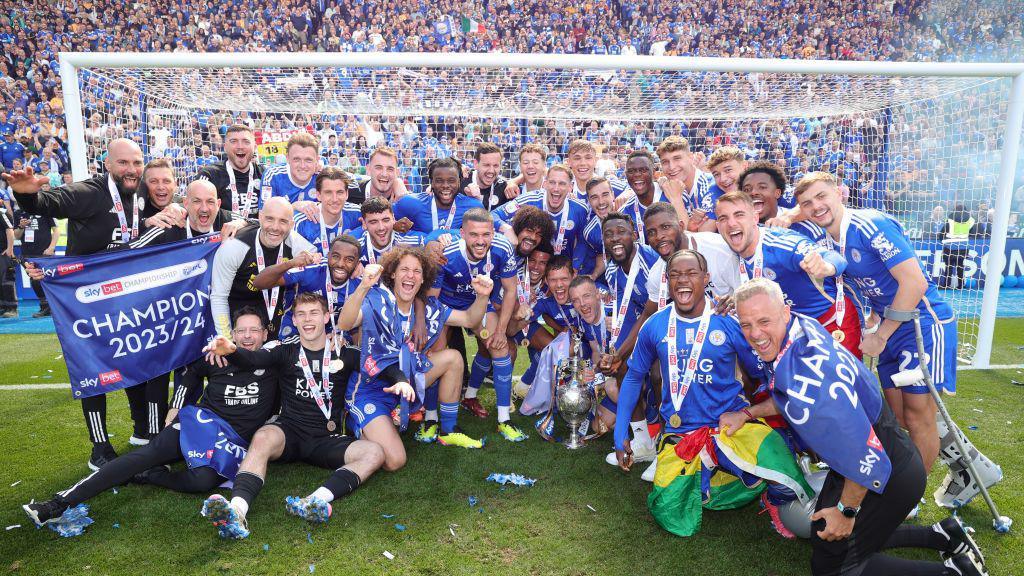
(838, 336)
(331, 426)
(485, 333)
(675, 421)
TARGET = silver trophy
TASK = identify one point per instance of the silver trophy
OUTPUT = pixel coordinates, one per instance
(575, 397)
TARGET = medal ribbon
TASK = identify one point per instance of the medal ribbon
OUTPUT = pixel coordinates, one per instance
(677, 389)
(250, 192)
(127, 235)
(317, 391)
(269, 296)
(620, 310)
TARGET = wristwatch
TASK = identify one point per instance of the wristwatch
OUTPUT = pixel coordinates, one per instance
(848, 511)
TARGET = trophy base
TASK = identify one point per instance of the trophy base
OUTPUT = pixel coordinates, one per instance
(574, 443)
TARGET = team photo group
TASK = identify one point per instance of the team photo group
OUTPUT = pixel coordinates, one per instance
(736, 337)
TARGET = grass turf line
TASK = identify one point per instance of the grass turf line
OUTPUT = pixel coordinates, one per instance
(544, 529)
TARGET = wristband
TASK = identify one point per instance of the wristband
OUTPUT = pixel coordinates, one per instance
(749, 415)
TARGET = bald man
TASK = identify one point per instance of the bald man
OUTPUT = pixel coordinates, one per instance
(241, 258)
(103, 212)
(203, 216)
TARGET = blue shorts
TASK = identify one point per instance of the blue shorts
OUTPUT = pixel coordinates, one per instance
(367, 401)
(900, 354)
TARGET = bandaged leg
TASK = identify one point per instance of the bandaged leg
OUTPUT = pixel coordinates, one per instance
(958, 488)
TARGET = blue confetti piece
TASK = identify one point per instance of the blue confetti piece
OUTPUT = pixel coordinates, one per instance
(114, 490)
(387, 516)
(309, 537)
(972, 427)
(472, 501)
(480, 510)
(266, 547)
(312, 568)
(116, 525)
(400, 527)
(72, 522)
(515, 479)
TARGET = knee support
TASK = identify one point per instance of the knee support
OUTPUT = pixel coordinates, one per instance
(959, 488)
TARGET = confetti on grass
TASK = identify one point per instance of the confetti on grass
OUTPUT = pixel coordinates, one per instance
(472, 501)
(13, 526)
(389, 555)
(387, 516)
(72, 522)
(16, 483)
(400, 527)
(266, 547)
(513, 478)
(591, 508)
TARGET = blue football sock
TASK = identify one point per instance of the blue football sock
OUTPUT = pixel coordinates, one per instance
(531, 371)
(430, 398)
(449, 416)
(503, 380)
(477, 373)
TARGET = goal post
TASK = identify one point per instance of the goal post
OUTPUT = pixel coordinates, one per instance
(928, 119)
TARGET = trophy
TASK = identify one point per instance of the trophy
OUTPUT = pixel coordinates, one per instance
(576, 398)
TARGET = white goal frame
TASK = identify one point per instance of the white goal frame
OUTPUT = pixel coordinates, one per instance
(70, 62)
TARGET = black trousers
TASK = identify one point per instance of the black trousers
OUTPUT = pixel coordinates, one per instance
(164, 448)
(147, 403)
(879, 517)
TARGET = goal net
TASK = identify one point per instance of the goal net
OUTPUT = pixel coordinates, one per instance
(918, 147)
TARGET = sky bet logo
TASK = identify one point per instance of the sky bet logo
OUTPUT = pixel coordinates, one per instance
(108, 378)
(65, 269)
(197, 454)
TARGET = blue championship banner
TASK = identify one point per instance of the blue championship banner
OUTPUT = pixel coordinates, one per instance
(126, 316)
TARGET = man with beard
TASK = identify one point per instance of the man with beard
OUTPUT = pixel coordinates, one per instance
(534, 229)
(485, 182)
(384, 178)
(479, 252)
(103, 212)
(644, 191)
(378, 235)
(389, 364)
(682, 178)
(703, 462)
(243, 257)
(308, 272)
(860, 509)
(333, 214)
(884, 266)
(295, 180)
(235, 402)
(626, 276)
(237, 178)
(443, 207)
(810, 275)
(666, 236)
(765, 183)
(568, 216)
(313, 381)
(203, 215)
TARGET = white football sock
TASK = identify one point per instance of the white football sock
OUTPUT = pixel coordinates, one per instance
(323, 494)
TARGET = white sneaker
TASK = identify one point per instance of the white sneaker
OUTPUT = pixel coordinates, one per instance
(136, 441)
(520, 389)
(612, 458)
(648, 475)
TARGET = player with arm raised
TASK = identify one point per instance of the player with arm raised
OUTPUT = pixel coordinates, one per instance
(444, 206)
(309, 429)
(233, 405)
(810, 275)
(480, 252)
(391, 372)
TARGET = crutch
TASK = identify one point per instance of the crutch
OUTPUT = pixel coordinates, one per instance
(1000, 523)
